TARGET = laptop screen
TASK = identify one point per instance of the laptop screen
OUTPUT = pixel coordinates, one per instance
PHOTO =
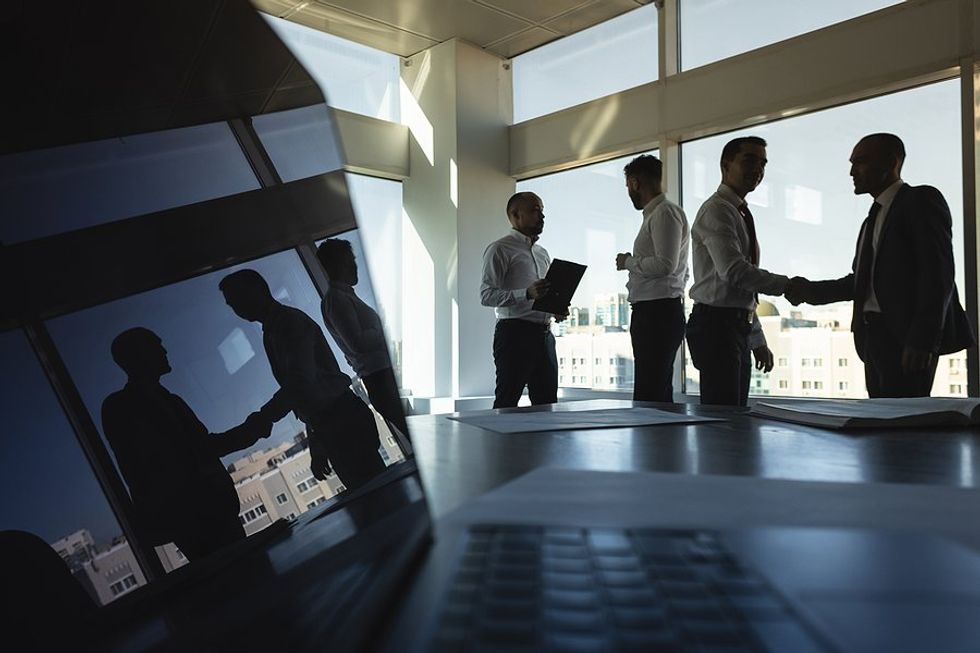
(201, 391)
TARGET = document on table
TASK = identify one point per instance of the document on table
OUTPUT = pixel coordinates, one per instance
(566, 420)
(874, 413)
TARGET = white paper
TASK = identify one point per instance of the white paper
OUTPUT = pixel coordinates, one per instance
(565, 420)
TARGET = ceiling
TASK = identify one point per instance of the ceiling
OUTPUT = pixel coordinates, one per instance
(405, 27)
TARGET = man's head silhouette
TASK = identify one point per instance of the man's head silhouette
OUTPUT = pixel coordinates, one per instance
(337, 258)
(248, 294)
(140, 353)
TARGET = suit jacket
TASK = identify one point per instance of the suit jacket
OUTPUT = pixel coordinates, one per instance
(169, 460)
(912, 277)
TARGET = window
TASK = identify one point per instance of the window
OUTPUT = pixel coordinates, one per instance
(807, 385)
(300, 142)
(722, 28)
(818, 385)
(841, 362)
(956, 389)
(783, 362)
(597, 219)
(301, 486)
(805, 362)
(251, 515)
(783, 384)
(123, 585)
(42, 463)
(353, 77)
(818, 362)
(807, 197)
(281, 498)
(842, 385)
(587, 65)
(75, 186)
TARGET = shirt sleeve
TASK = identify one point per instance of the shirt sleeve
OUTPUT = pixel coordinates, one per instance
(494, 272)
(666, 230)
(721, 238)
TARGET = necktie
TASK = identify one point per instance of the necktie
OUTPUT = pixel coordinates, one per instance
(862, 276)
(750, 227)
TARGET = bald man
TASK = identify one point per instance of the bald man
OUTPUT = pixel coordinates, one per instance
(513, 277)
(906, 308)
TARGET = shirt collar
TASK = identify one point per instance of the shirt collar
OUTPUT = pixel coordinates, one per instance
(514, 233)
(886, 196)
(653, 204)
(728, 194)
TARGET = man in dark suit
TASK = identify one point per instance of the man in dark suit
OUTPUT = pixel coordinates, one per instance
(906, 308)
(181, 491)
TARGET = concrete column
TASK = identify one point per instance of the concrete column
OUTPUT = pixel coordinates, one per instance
(456, 101)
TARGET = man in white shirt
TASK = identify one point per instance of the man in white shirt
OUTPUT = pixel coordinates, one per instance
(657, 275)
(357, 330)
(513, 277)
(906, 308)
(723, 328)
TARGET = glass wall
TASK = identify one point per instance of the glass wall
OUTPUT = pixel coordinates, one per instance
(589, 219)
(711, 30)
(51, 191)
(301, 142)
(354, 77)
(613, 56)
(48, 487)
(808, 219)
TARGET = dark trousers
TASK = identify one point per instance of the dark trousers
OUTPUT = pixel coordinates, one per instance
(383, 391)
(883, 373)
(719, 342)
(657, 330)
(349, 436)
(524, 354)
(208, 533)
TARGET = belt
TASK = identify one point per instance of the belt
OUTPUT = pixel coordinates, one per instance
(528, 324)
(741, 314)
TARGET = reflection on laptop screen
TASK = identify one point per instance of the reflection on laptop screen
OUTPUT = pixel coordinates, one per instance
(201, 385)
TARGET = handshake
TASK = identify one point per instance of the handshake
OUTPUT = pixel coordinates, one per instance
(799, 291)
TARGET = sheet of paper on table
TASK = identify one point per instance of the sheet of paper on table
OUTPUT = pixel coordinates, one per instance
(566, 420)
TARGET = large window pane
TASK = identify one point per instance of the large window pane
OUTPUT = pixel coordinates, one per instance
(300, 142)
(46, 192)
(219, 368)
(589, 219)
(48, 487)
(613, 56)
(808, 219)
(716, 29)
(353, 77)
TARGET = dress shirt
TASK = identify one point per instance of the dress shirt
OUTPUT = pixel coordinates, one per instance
(305, 368)
(658, 264)
(723, 273)
(510, 265)
(356, 328)
(885, 199)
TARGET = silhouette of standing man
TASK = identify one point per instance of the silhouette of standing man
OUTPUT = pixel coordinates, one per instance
(341, 429)
(181, 492)
(358, 330)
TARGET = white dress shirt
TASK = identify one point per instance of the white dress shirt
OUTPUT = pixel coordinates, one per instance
(658, 264)
(510, 265)
(885, 199)
(356, 328)
(723, 272)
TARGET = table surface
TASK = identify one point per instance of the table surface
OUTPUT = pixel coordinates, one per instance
(459, 462)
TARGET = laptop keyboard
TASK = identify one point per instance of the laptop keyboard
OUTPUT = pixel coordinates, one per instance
(583, 590)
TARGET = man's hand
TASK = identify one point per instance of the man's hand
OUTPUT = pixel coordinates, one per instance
(258, 425)
(319, 463)
(763, 358)
(797, 290)
(561, 317)
(621, 260)
(916, 360)
(538, 289)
